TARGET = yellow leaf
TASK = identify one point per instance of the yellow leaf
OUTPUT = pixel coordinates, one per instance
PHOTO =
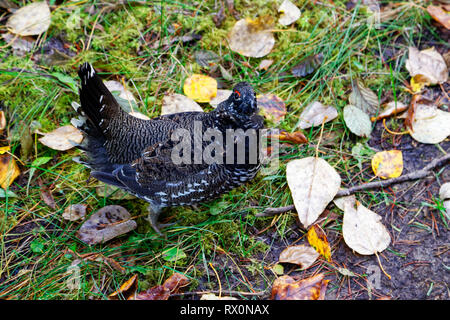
(388, 164)
(200, 88)
(318, 240)
(127, 289)
(8, 170)
(418, 82)
(4, 149)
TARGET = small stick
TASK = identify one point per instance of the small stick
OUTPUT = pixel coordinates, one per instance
(427, 170)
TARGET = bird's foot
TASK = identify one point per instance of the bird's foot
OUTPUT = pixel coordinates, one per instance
(153, 216)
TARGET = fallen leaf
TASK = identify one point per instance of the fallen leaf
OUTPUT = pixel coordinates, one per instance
(364, 99)
(388, 164)
(428, 63)
(313, 184)
(430, 125)
(175, 103)
(32, 19)
(341, 202)
(289, 13)
(126, 290)
(115, 86)
(46, 195)
(318, 240)
(75, 212)
(251, 38)
(60, 138)
(105, 224)
(357, 121)
(301, 255)
(206, 58)
(221, 96)
(287, 288)
(163, 292)
(418, 82)
(212, 296)
(278, 269)
(316, 113)
(19, 45)
(200, 88)
(9, 170)
(391, 108)
(272, 107)
(444, 194)
(2, 121)
(265, 64)
(307, 65)
(173, 254)
(363, 231)
(292, 137)
(440, 15)
(138, 115)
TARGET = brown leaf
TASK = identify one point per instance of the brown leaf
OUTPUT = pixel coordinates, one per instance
(163, 292)
(175, 282)
(287, 288)
(411, 111)
(75, 212)
(301, 255)
(307, 66)
(391, 108)
(293, 137)
(126, 290)
(272, 107)
(9, 170)
(2, 121)
(440, 15)
(106, 224)
(46, 195)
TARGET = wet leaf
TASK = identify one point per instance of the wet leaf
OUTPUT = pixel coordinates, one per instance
(251, 38)
(163, 292)
(363, 230)
(105, 224)
(318, 240)
(313, 184)
(307, 65)
(292, 137)
(75, 212)
(364, 99)
(175, 282)
(9, 170)
(46, 195)
(289, 13)
(26, 141)
(59, 139)
(430, 125)
(32, 19)
(173, 254)
(175, 103)
(440, 15)
(428, 63)
(126, 290)
(357, 121)
(221, 96)
(302, 255)
(391, 108)
(200, 88)
(316, 113)
(287, 288)
(388, 164)
(272, 107)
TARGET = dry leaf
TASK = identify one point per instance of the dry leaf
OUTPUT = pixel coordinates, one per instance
(221, 96)
(105, 224)
(428, 63)
(60, 138)
(287, 288)
(341, 202)
(318, 240)
(175, 103)
(289, 13)
(212, 296)
(357, 121)
(302, 255)
(2, 121)
(126, 290)
(32, 19)
(138, 115)
(316, 113)
(46, 195)
(444, 194)
(364, 99)
(9, 170)
(313, 184)
(248, 39)
(292, 137)
(430, 125)
(307, 66)
(123, 93)
(163, 292)
(391, 108)
(75, 212)
(200, 88)
(265, 64)
(19, 45)
(388, 164)
(363, 230)
(440, 15)
(272, 107)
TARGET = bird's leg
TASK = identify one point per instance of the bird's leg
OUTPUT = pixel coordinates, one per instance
(153, 215)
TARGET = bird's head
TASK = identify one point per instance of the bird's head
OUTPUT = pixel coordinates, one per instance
(241, 104)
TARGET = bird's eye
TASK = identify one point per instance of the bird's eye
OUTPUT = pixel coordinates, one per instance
(237, 94)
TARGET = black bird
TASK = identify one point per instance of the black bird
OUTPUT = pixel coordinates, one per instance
(163, 160)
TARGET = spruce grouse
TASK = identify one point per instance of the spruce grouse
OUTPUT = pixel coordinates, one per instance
(172, 160)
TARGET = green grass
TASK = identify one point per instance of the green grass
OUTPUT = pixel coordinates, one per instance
(34, 261)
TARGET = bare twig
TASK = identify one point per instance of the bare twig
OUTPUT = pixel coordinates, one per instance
(425, 171)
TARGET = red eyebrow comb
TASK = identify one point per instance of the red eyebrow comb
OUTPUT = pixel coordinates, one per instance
(237, 92)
